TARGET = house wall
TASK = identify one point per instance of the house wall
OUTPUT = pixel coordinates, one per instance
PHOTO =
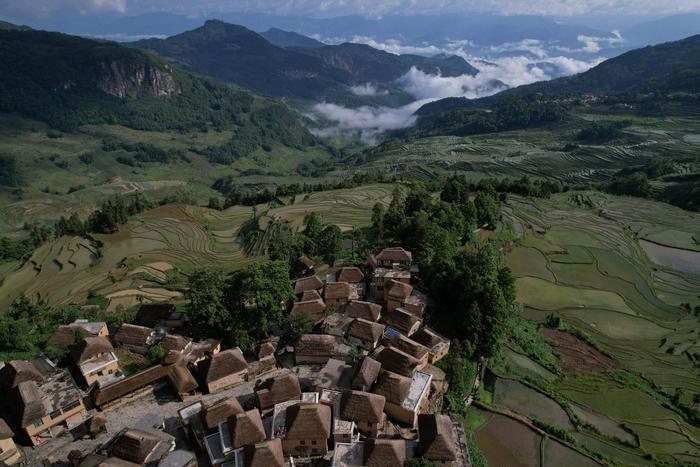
(105, 371)
(41, 427)
(440, 354)
(370, 428)
(227, 381)
(303, 447)
(104, 332)
(8, 452)
(414, 309)
(393, 303)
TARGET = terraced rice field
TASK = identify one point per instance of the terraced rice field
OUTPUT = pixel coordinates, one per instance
(589, 267)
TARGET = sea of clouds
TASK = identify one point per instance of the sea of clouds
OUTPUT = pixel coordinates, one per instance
(500, 67)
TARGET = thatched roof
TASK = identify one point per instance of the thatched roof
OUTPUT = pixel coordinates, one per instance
(265, 349)
(305, 261)
(282, 388)
(385, 452)
(437, 442)
(308, 421)
(114, 391)
(398, 290)
(367, 331)
(352, 275)
(265, 454)
(19, 371)
(132, 335)
(401, 320)
(394, 254)
(182, 380)
(220, 411)
(315, 345)
(174, 342)
(310, 295)
(246, 428)
(313, 309)
(135, 446)
(27, 403)
(337, 291)
(365, 310)
(5, 430)
(367, 373)
(393, 387)
(428, 337)
(393, 359)
(409, 346)
(359, 406)
(90, 348)
(64, 336)
(307, 283)
(223, 364)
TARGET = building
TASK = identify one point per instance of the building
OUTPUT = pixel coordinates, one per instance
(365, 334)
(306, 284)
(305, 264)
(354, 276)
(310, 295)
(412, 348)
(135, 338)
(365, 409)
(223, 369)
(438, 346)
(96, 360)
(277, 390)
(140, 447)
(246, 428)
(175, 374)
(403, 321)
(365, 310)
(344, 431)
(314, 310)
(393, 258)
(381, 276)
(9, 454)
(415, 304)
(66, 335)
(406, 397)
(264, 454)
(384, 452)
(42, 399)
(397, 361)
(335, 373)
(220, 411)
(437, 441)
(349, 454)
(396, 293)
(307, 429)
(367, 374)
(314, 348)
(339, 293)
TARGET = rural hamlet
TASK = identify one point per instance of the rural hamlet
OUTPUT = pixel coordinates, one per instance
(363, 387)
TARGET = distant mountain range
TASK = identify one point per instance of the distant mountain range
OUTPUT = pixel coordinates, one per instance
(668, 67)
(312, 71)
(282, 38)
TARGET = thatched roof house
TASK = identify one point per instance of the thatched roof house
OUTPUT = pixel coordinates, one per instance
(351, 275)
(246, 428)
(313, 309)
(359, 406)
(314, 348)
(367, 333)
(437, 442)
(306, 284)
(402, 321)
(395, 388)
(135, 446)
(395, 360)
(277, 390)
(308, 421)
(365, 310)
(223, 369)
(310, 295)
(384, 452)
(18, 371)
(409, 346)
(367, 374)
(339, 292)
(394, 255)
(90, 348)
(5, 430)
(305, 262)
(265, 454)
(174, 342)
(399, 291)
(220, 411)
(134, 338)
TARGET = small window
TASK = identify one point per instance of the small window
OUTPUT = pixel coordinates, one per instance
(302, 442)
(71, 406)
(55, 414)
(313, 443)
(38, 423)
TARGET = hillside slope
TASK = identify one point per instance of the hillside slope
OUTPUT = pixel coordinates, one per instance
(282, 38)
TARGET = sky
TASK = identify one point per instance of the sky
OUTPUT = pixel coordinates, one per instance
(32, 10)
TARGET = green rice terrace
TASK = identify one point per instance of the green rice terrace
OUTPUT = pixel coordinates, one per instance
(134, 264)
(606, 355)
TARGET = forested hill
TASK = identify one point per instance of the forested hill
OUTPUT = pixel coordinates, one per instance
(69, 81)
(238, 55)
(282, 38)
(669, 67)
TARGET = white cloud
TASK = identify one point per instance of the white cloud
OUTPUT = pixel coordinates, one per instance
(392, 46)
(367, 90)
(533, 46)
(42, 9)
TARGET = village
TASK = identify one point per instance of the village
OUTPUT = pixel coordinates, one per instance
(362, 389)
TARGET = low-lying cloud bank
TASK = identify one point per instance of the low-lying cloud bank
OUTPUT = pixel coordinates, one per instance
(496, 74)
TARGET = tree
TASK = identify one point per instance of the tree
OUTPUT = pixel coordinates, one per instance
(330, 242)
(487, 210)
(205, 294)
(312, 231)
(378, 212)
